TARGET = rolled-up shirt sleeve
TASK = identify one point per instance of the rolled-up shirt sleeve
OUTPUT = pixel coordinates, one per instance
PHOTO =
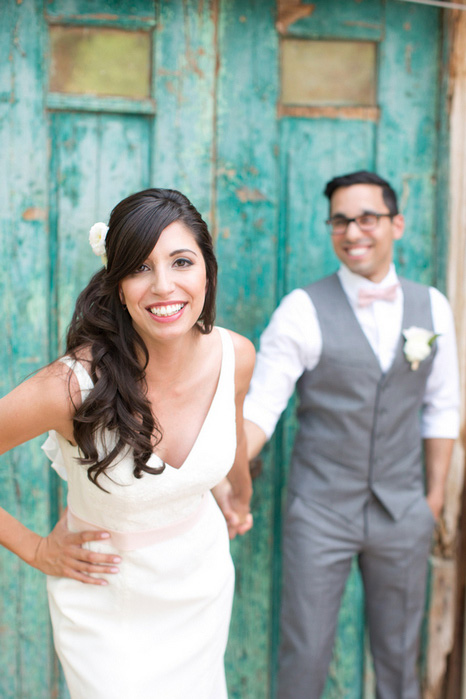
(440, 415)
(291, 344)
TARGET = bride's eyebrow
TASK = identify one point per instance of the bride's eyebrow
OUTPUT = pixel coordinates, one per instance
(177, 252)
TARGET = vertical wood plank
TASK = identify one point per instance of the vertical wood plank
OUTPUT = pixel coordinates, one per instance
(457, 294)
(246, 244)
(312, 151)
(184, 87)
(98, 160)
(104, 12)
(25, 648)
(407, 137)
(324, 19)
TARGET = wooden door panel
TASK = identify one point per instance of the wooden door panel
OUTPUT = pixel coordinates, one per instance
(311, 152)
(26, 654)
(245, 227)
(407, 133)
(97, 159)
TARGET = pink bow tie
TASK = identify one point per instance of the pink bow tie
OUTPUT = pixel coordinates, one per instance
(368, 296)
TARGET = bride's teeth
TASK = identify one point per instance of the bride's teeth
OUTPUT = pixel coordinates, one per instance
(166, 310)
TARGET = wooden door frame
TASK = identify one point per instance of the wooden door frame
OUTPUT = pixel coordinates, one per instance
(457, 295)
(445, 652)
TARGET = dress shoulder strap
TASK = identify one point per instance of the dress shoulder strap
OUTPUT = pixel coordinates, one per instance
(85, 382)
(227, 371)
(227, 347)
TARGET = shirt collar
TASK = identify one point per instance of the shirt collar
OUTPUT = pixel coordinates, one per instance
(352, 282)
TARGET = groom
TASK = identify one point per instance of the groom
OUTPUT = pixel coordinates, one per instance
(368, 401)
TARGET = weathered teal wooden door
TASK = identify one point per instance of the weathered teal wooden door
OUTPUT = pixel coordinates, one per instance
(100, 99)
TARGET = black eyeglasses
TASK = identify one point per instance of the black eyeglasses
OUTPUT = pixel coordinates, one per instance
(365, 223)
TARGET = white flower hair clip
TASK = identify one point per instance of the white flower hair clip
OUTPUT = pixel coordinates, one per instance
(97, 236)
(418, 345)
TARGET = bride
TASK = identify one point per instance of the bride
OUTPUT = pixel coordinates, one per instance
(144, 413)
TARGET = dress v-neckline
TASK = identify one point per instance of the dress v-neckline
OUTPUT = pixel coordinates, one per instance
(206, 419)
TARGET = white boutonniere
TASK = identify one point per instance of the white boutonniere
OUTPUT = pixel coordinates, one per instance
(97, 236)
(418, 345)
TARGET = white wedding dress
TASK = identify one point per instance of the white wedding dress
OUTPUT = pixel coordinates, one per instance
(159, 629)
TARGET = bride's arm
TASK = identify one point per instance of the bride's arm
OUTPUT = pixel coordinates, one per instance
(234, 493)
(42, 403)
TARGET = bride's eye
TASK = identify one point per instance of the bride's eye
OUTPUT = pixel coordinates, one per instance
(141, 268)
(182, 262)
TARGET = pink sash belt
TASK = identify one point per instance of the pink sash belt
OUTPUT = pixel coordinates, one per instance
(130, 541)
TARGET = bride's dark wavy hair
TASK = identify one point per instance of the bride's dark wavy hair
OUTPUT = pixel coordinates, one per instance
(118, 401)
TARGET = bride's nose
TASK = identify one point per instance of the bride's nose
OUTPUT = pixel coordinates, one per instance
(162, 282)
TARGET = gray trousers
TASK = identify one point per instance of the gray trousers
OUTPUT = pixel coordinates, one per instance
(318, 547)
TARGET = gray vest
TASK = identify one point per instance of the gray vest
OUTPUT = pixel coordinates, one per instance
(359, 428)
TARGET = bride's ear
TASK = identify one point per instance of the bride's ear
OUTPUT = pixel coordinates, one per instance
(122, 296)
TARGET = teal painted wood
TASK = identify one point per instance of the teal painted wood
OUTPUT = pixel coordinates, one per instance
(246, 245)
(185, 65)
(91, 103)
(98, 160)
(407, 132)
(341, 19)
(442, 175)
(130, 15)
(25, 648)
(312, 151)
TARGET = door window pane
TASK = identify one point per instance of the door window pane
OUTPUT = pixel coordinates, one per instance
(328, 72)
(97, 61)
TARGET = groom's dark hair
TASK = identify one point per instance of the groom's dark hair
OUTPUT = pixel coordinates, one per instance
(364, 177)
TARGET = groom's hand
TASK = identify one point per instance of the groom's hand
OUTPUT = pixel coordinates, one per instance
(223, 493)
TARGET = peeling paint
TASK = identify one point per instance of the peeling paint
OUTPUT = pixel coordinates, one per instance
(105, 17)
(170, 87)
(304, 112)
(290, 11)
(405, 192)
(193, 64)
(34, 213)
(228, 172)
(247, 194)
(163, 72)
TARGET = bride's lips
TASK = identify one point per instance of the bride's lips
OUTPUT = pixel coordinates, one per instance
(166, 312)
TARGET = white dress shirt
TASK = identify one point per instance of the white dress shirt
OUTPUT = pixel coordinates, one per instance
(292, 344)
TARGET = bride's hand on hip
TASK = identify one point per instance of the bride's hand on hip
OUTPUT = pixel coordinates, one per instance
(61, 554)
